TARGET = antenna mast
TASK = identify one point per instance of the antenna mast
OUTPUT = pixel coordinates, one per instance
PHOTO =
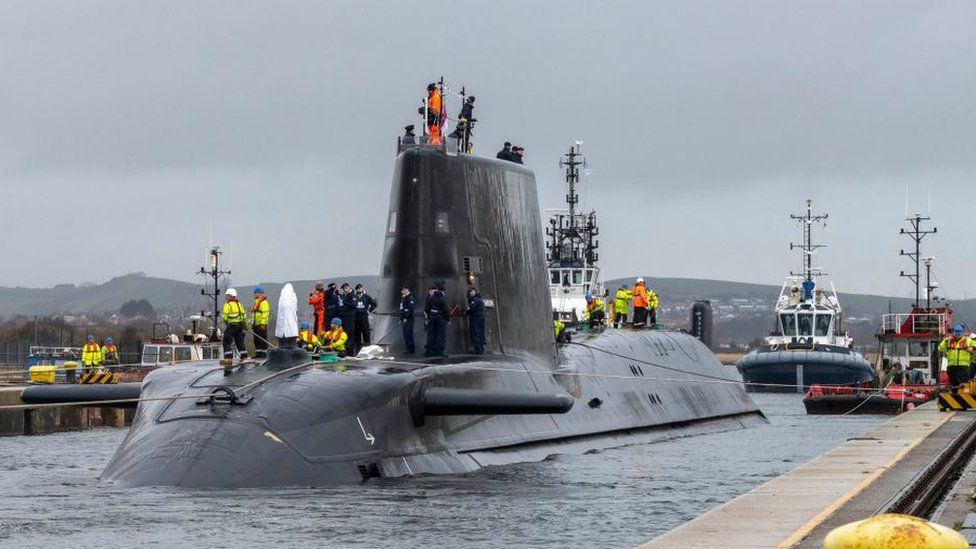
(214, 272)
(572, 161)
(808, 247)
(917, 234)
(573, 235)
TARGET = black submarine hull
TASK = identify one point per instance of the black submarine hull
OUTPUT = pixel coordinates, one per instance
(320, 426)
(454, 220)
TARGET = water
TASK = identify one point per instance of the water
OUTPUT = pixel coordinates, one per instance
(50, 497)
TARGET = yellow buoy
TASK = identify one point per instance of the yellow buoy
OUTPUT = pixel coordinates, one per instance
(894, 532)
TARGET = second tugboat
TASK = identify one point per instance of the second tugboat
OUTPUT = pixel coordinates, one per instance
(807, 345)
(571, 254)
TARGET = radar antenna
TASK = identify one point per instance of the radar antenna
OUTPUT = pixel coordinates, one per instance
(213, 271)
(808, 248)
(917, 234)
(572, 235)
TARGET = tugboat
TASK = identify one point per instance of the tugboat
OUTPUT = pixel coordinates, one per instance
(571, 255)
(808, 344)
(910, 370)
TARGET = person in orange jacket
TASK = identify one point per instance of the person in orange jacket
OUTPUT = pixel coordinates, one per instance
(434, 117)
(317, 300)
(640, 302)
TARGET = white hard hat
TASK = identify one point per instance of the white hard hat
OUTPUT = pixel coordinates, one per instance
(231, 292)
(639, 279)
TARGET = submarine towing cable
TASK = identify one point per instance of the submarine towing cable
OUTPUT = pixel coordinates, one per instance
(460, 220)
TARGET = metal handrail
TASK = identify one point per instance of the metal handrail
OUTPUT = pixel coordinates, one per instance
(916, 322)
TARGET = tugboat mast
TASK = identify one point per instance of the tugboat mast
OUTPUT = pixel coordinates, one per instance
(214, 272)
(917, 233)
(808, 247)
(573, 235)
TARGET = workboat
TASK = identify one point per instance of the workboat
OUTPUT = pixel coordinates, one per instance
(808, 344)
(455, 220)
(910, 370)
(571, 249)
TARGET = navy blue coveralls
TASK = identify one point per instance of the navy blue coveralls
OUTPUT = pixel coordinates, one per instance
(347, 312)
(364, 305)
(407, 305)
(333, 305)
(476, 322)
(436, 311)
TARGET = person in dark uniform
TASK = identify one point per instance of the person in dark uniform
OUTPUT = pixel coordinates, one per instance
(437, 316)
(407, 306)
(409, 138)
(506, 152)
(333, 301)
(465, 124)
(347, 313)
(476, 320)
(365, 305)
(517, 153)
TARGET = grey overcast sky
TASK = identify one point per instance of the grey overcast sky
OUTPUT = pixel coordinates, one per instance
(126, 128)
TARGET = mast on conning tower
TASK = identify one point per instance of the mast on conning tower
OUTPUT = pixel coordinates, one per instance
(808, 247)
(572, 235)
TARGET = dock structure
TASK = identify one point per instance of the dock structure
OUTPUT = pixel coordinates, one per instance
(893, 468)
(54, 419)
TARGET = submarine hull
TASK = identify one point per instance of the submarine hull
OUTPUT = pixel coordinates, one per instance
(321, 426)
(453, 221)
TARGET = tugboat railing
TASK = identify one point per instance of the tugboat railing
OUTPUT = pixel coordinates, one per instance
(914, 323)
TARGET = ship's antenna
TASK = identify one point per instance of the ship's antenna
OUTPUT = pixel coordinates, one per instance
(213, 271)
(929, 285)
(572, 161)
(808, 247)
(573, 235)
(916, 233)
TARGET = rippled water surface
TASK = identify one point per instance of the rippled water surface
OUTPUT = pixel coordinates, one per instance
(50, 497)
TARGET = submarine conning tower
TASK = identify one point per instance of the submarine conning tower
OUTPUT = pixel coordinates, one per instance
(465, 220)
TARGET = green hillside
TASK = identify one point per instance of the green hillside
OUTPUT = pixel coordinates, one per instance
(184, 297)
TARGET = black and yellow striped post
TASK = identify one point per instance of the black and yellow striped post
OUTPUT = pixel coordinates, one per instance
(98, 377)
(957, 401)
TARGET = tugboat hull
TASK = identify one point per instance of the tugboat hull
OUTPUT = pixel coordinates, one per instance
(795, 370)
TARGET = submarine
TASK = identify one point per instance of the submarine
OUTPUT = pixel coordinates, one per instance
(458, 220)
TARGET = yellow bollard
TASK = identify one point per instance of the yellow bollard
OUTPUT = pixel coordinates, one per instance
(893, 531)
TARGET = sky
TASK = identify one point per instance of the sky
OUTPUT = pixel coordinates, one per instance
(130, 132)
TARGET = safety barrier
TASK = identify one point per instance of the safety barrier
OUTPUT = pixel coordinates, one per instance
(96, 377)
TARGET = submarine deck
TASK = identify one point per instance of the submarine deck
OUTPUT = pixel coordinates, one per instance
(849, 483)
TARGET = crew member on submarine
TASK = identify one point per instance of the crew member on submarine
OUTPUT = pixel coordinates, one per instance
(407, 306)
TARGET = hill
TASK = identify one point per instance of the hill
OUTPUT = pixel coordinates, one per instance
(164, 294)
(743, 310)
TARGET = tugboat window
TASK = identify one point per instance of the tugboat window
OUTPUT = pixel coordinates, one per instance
(182, 354)
(150, 354)
(165, 354)
(577, 277)
(823, 324)
(805, 323)
(918, 349)
(554, 276)
(789, 324)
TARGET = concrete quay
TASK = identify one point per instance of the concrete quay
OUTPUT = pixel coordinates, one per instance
(851, 482)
